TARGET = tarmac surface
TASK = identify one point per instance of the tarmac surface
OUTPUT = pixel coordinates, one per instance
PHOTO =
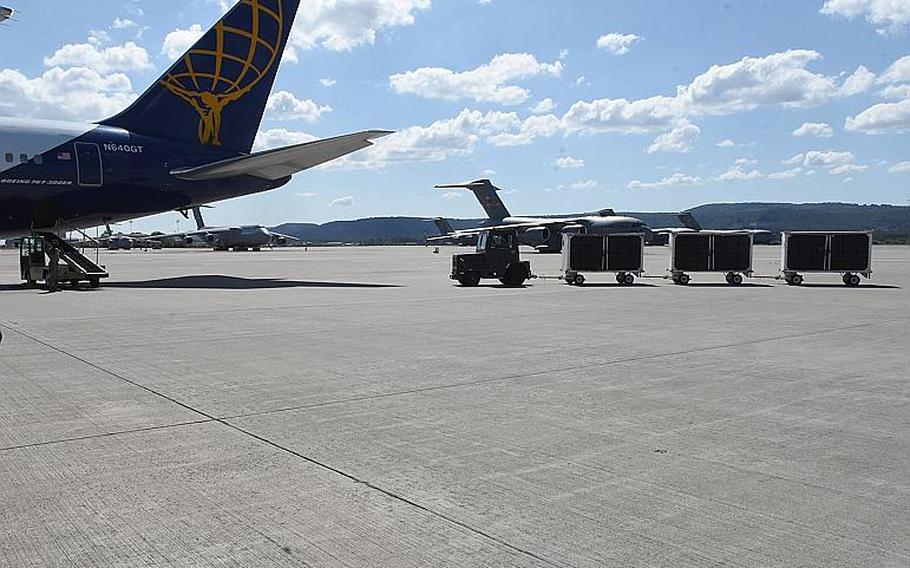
(351, 407)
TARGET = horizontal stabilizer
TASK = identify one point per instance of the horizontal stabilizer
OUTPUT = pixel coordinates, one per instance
(282, 162)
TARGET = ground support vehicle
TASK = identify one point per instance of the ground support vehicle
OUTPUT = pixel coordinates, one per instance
(497, 256)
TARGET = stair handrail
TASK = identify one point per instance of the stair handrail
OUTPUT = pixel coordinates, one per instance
(97, 245)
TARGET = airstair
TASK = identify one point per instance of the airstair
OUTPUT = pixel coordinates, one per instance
(74, 267)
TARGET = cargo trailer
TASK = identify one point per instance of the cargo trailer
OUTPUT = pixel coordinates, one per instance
(620, 254)
(726, 252)
(848, 253)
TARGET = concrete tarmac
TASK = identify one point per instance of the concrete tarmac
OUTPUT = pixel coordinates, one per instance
(351, 407)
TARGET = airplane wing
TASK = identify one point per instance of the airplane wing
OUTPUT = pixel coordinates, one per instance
(282, 162)
(278, 236)
(515, 226)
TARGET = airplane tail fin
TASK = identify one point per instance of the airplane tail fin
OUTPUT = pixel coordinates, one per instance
(688, 221)
(485, 192)
(216, 93)
(445, 228)
(197, 215)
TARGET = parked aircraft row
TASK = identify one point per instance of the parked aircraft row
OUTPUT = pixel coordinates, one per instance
(544, 233)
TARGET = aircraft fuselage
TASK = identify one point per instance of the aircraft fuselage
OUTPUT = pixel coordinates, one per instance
(58, 176)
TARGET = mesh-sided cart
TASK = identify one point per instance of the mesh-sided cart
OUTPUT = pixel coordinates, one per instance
(725, 252)
(621, 254)
(848, 253)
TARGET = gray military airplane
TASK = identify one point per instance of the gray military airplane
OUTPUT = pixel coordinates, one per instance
(544, 233)
(237, 238)
(449, 236)
(691, 225)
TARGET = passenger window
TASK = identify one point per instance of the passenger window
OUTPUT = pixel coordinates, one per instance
(23, 158)
(38, 159)
(9, 158)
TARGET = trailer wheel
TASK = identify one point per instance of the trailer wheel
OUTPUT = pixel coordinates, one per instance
(628, 279)
(683, 280)
(579, 279)
(795, 280)
(736, 279)
(94, 282)
(853, 281)
(469, 280)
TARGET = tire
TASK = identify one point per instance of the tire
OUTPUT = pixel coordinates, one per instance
(736, 279)
(620, 277)
(515, 276)
(628, 279)
(795, 280)
(94, 282)
(854, 281)
(684, 279)
(469, 280)
(579, 279)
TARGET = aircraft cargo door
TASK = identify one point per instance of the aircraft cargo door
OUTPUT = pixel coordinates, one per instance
(88, 165)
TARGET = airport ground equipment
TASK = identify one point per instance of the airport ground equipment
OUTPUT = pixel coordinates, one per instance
(74, 267)
(726, 252)
(621, 254)
(848, 253)
(496, 256)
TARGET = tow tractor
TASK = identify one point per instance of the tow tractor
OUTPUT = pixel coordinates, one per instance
(496, 256)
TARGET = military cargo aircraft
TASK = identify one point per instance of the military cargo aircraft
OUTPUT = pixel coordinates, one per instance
(544, 233)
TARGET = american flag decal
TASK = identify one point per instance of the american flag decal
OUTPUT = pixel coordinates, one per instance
(64, 156)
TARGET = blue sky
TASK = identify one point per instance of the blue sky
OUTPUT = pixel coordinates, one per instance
(570, 105)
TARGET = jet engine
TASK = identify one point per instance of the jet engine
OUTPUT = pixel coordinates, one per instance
(573, 230)
(540, 234)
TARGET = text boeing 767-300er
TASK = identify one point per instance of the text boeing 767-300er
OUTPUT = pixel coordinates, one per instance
(185, 142)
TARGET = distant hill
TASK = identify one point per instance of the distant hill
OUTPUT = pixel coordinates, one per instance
(891, 223)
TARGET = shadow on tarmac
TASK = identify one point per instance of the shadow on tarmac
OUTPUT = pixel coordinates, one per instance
(843, 287)
(212, 282)
(723, 285)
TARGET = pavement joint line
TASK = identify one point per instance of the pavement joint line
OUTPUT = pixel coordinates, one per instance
(395, 496)
(105, 435)
(312, 461)
(606, 363)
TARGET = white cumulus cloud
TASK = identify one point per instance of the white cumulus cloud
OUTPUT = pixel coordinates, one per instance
(126, 57)
(491, 82)
(278, 138)
(283, 105)
(617, 44)
(678, 179)
(883, 118)
(346, 201)
(569, 163)
(342, 25)
(817, 129)
(680, 140)
(179, 41)
(889, 16)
